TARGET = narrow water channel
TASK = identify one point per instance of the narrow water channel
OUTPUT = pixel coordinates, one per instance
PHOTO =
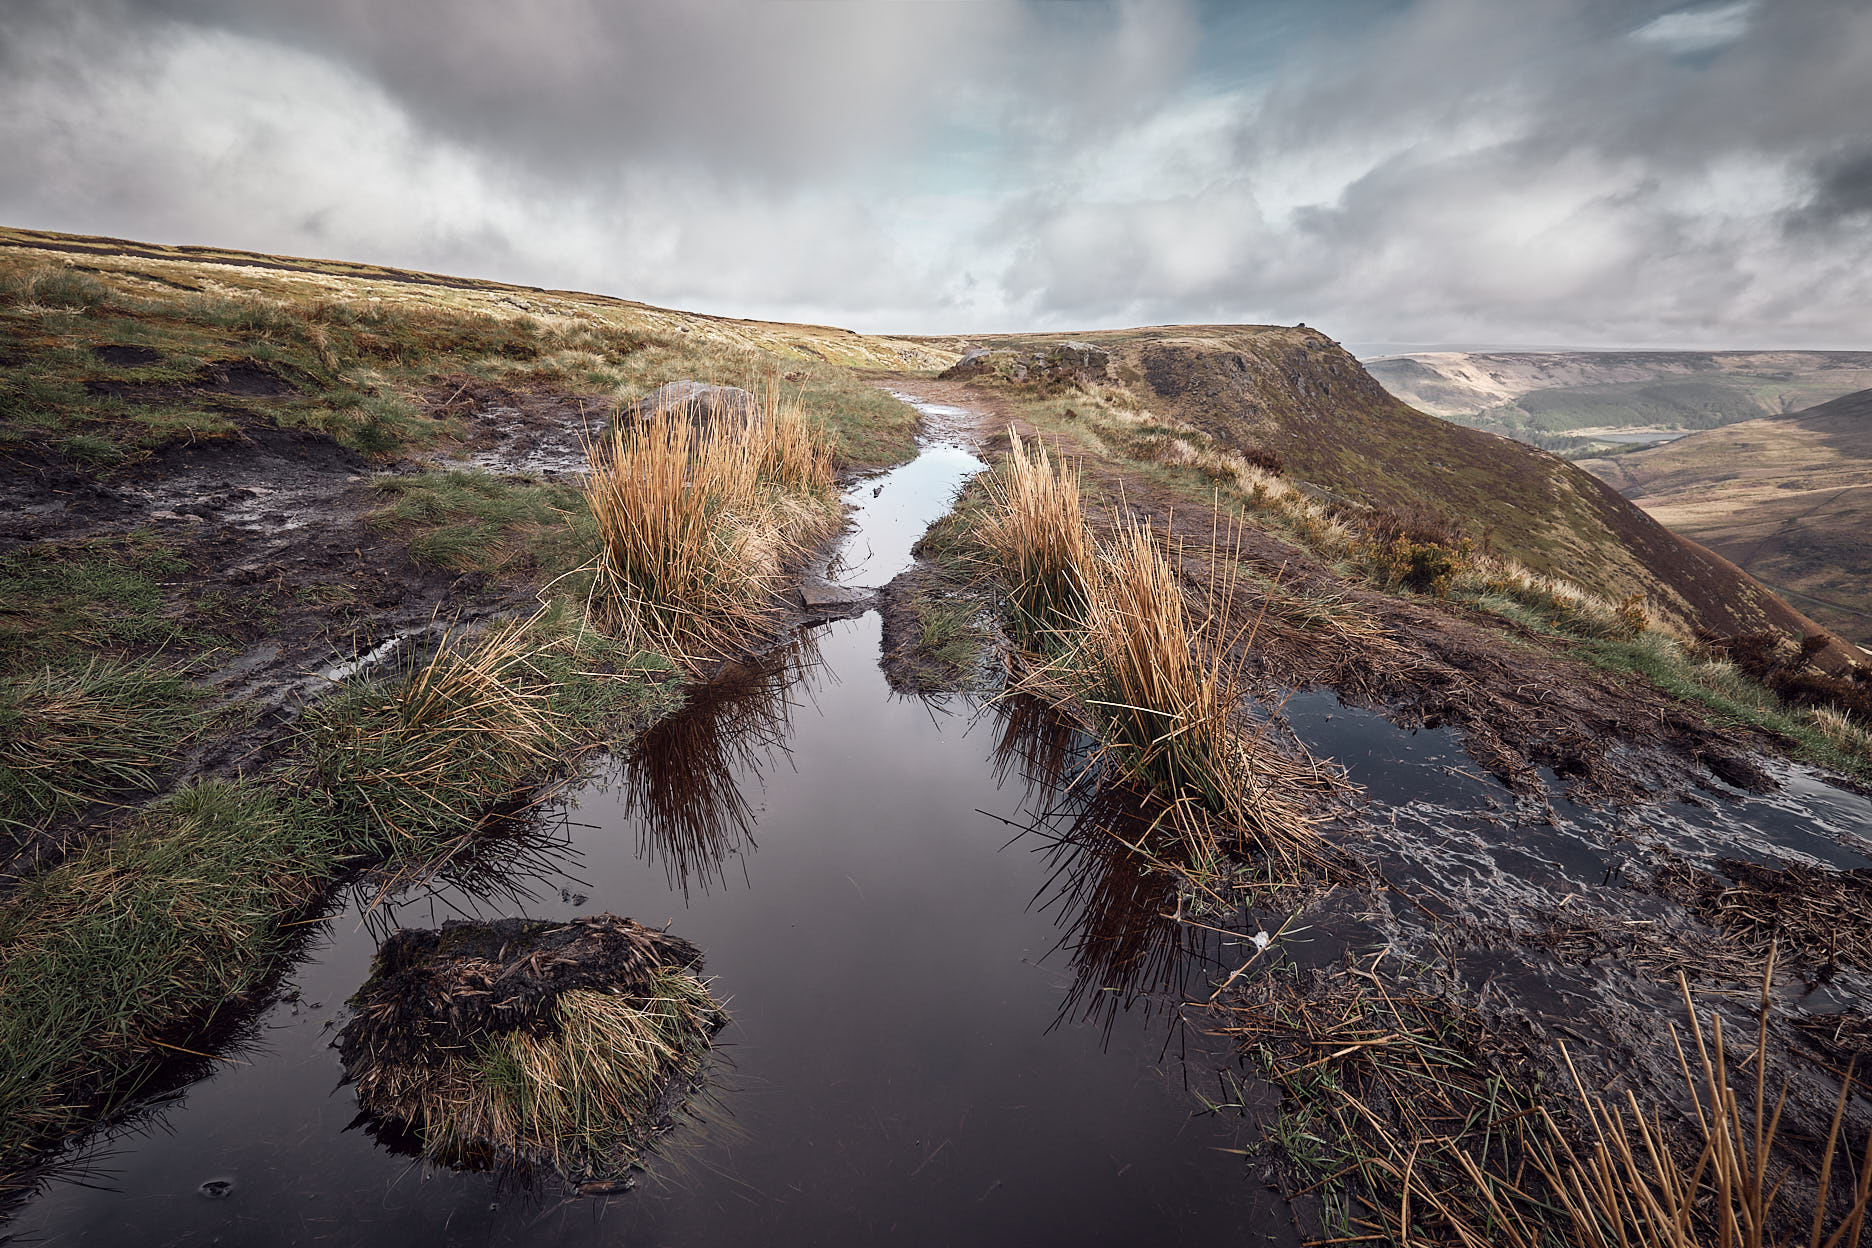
(930, 1042)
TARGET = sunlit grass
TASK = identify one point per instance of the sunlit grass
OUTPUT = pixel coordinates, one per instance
(697, 523)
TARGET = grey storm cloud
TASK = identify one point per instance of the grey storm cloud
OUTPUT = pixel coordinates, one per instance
(1842, 193)
(1587, 171)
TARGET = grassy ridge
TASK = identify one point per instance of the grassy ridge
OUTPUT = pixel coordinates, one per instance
(1294, 394)
(105, 359)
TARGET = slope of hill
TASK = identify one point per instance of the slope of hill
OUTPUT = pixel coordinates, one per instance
(1296, 393)
(1568, 400)
(166, 269)
(1788, 499)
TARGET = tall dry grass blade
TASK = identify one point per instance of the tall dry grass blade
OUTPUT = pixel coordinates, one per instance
(1036, 530)
(697, 520)
(1169, 709)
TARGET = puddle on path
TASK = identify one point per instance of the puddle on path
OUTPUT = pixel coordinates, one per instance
(926, 1045)
(891, 512)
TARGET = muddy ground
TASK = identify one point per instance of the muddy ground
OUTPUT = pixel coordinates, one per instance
(275, 528)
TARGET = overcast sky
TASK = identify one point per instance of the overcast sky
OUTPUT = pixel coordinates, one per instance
(1559, 172)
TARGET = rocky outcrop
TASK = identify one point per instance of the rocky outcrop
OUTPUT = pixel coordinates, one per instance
(698, 402)
(1061, 364)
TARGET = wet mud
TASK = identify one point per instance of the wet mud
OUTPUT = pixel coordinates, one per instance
(273, 525)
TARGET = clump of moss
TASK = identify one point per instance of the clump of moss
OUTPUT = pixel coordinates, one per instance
(597, 1028)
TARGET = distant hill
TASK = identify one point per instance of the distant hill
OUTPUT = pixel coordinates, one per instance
(1561, 400)
(1788, 498)
(1296, 392)
(1292, 391)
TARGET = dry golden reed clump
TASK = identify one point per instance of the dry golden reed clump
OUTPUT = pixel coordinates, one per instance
(1168, 709)
(697, 520)
(1035, 528)
(1129, 662)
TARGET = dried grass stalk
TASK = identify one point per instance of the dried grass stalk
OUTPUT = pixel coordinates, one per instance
(1035, 529)
(1168, 710)
(1618, 1178)
(696, 522)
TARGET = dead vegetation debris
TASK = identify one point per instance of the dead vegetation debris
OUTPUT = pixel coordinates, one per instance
(1414, 1124)
(1817, 913)
(528, 1044)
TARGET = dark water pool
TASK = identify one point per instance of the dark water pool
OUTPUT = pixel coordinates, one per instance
(927, 1046)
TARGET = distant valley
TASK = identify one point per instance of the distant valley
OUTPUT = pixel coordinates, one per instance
(1589, 403)
(1787, 498)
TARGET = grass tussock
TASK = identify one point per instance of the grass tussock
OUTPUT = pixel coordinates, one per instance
(414, 761)
(579, 1096)
(1167, 709)
(72, 736)
(1124, 656)
(529, 1044)
(697, 522)
(117, 956)
(1035, 530)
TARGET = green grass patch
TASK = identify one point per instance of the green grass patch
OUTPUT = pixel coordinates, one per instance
(62, 599)
(410, 764)
(475, 521)
(137, 940)
(74, 736)
(1731, 697)
(947, 633)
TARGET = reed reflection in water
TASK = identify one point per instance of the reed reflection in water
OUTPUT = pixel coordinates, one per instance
(686, 781)
(1115, 907)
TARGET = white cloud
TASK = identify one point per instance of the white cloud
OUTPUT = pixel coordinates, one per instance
(1452, 170)
(1690, 31)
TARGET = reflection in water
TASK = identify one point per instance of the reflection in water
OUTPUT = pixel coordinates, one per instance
(509, 867)
(683, 779)
(1115, 907)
